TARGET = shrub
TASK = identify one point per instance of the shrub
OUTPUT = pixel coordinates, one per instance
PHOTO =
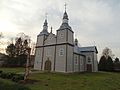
(14, 77)
(18, 77)
(10, 75)
(3, 75)
(7, 75)
(11, 86)
(1, 71)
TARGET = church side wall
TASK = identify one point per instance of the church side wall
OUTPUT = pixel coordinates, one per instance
(93, 59)
(90, 54)
(60, 65)
(82, 64)
(61, 36)
(40, 40)
(49, 54)
(38, 58)
(95, 63)
(70, 37)
(76, 63)
(50, 40)
(69, 58)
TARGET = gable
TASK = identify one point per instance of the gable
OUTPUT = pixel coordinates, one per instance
(88, 49)
(51, 39)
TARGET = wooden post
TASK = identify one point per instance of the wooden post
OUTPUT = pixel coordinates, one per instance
(27, 64)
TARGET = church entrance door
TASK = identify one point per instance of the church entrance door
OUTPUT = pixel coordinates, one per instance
(89, 67)
(47, 66)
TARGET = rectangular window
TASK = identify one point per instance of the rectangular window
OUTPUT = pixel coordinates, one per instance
(76, 60)
(89, 59)
(61, 52)
(81, 61)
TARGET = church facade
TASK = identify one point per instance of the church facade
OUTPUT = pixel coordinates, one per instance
(61, 53)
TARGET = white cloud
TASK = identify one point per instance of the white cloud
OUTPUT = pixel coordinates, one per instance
(92, 20)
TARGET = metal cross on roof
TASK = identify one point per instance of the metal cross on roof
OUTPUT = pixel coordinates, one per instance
(65, 6)
(46, 14)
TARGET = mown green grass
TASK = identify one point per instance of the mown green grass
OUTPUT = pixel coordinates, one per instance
(14, 70)
(8, 85)
(76, 81)
(81, 81)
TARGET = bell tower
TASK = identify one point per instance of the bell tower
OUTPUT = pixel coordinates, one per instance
(64, 46)
(39, 53)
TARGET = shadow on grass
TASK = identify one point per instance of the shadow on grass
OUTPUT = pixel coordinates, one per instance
(9, 86)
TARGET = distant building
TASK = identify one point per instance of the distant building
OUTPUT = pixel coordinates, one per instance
(61, 53)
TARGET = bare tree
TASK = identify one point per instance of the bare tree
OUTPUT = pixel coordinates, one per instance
(107, 52)
(23, 44)
(32, 48)
(1, 42)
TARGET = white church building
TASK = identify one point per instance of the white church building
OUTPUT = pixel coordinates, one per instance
(61, 53)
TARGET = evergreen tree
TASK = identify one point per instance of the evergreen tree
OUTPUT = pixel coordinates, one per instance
(102, 64)
(109, 64)
(106, 62)
(116, 60)
(11, 50)
(117, 64)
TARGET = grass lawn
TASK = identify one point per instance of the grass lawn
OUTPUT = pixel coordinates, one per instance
(82, 81)
(15, 70)
(8, 85)
(76, 81)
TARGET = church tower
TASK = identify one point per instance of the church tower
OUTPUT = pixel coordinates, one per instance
(39, 47)
(64, 46)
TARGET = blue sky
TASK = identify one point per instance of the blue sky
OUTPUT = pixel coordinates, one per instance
(95, 22)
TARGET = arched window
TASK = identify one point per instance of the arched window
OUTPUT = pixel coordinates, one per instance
(61, 52)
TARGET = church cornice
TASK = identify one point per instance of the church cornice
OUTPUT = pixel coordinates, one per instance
(65, 29)
(55, 45)
(79, 54)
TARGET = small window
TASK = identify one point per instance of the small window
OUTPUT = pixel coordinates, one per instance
(61, 35)
(89, 59)
(76, 61)
(81, 61)
(61, 52)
